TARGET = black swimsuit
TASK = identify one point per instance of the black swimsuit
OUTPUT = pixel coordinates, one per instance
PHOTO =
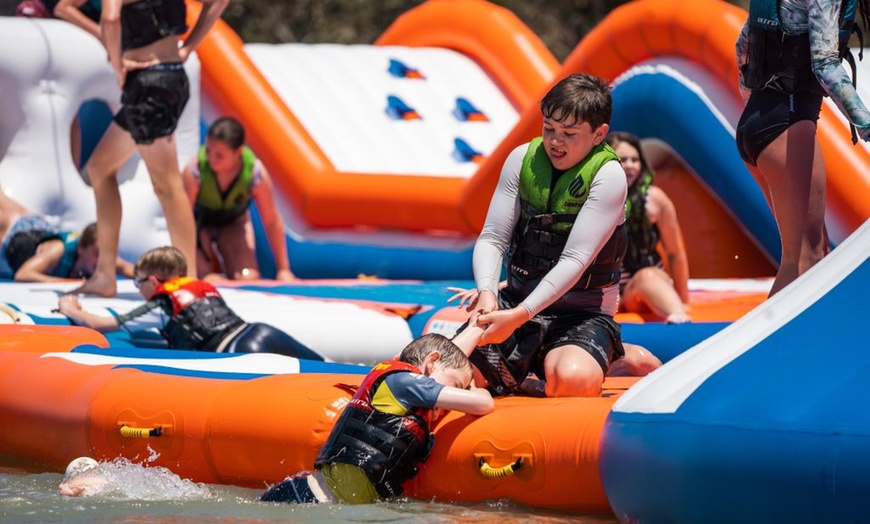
(768, 114)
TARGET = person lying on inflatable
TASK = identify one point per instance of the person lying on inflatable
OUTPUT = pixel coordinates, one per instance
(196, 316)
(39, 255)
(32, 250)
(384, 432)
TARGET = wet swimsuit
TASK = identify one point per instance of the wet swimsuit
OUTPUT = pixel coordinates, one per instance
(152, 101)
(768, 114)
(506, 365)
(147, 21)
(295, 490)
(153, 98)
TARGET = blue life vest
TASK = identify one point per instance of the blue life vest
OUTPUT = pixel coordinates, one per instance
(70, 255)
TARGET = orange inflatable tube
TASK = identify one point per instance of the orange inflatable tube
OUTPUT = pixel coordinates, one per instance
(39, 339)
(258, 431)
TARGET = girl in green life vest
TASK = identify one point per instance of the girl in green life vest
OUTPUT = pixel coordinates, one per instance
(221, 181)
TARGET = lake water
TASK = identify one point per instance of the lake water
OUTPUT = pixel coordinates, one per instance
(154, 495)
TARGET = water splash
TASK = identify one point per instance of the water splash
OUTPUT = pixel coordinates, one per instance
(123, 480)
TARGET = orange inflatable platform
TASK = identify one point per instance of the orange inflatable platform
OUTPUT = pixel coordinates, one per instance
(250, 430)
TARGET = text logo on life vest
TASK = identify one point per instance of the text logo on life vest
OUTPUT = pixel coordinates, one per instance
(519, 270)
(578, 188)
(765, 21)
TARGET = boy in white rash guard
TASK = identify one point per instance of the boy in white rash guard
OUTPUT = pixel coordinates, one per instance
(557, 214)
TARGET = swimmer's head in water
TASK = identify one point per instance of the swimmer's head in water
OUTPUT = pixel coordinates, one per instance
(80, 465)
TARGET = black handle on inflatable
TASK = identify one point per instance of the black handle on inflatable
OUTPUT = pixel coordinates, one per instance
(505, 471)
(127, 431)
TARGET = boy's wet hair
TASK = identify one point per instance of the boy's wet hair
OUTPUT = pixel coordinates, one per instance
(452, 357)
(579, 98)
(163, 262)
(89, 236)
(229, 130)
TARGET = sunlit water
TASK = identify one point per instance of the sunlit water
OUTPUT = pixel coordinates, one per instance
(139, 494)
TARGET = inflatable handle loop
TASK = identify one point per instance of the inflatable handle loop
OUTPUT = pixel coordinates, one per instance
(494, 473)
(127, 431)
(13, 315)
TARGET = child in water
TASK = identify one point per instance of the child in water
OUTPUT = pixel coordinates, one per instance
(82, 478)
(384, 433)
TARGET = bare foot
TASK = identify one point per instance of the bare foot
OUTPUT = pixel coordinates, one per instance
(678, 318)
(98, 285)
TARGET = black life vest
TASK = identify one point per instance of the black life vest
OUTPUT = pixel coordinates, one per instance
(148, 21)
(549, 204)
(387, 447)
(643, 235)
(200, 319)
(781, 61)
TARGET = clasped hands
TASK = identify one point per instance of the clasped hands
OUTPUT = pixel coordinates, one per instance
(497, 324)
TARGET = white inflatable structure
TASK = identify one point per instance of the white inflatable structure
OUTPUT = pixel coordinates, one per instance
(48, 69)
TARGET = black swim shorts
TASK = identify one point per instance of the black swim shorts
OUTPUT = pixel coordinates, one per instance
(292, 490)
(506, 365)
(768, 114)
(152, 101)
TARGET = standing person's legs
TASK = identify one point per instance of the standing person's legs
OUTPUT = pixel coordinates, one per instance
(794, 170)
(161, 158)
(111, 152)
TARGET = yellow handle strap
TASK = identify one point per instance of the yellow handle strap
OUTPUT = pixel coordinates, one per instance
(505, 471)
(127, 431)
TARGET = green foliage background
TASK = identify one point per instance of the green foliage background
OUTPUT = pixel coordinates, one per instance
(561, 24)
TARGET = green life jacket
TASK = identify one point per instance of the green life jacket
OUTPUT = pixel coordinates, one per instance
(643, 235)
(781, 61)
(549, 204)
(216, 208)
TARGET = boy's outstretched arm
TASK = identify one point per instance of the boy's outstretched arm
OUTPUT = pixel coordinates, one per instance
(474, 401)
(69, 305)
(468, 338)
